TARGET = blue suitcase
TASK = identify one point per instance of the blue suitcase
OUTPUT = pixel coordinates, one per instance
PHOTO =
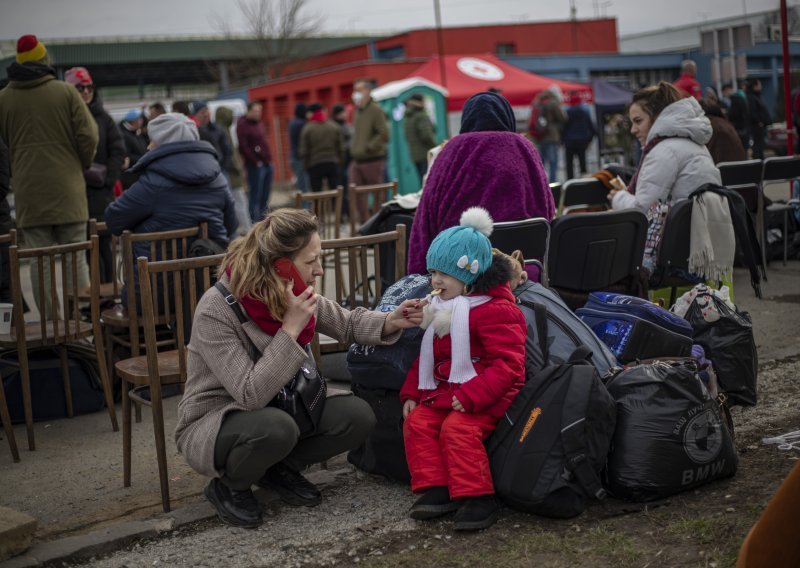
(636, 329)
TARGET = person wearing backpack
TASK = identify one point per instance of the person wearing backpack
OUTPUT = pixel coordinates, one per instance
(470, 368)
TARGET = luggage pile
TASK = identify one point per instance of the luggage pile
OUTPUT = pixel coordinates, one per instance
(622, 398)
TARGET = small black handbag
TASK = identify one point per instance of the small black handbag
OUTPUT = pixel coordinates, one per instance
(303, 397)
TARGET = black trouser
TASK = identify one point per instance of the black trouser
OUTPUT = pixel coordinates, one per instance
(571, 153)
(250, 442)
(758, 135)
(319, 172)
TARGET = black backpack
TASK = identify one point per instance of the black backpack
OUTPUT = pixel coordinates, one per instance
(547, 453)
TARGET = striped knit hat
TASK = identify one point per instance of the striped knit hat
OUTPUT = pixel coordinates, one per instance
(31, 49)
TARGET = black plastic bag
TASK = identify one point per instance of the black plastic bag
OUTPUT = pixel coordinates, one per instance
(730, 345)
(670, 434)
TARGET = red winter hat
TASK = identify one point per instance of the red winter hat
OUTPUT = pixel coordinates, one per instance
(78, 76)
(30, 49)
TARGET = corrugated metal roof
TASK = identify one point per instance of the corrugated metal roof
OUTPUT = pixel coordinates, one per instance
(130, 51)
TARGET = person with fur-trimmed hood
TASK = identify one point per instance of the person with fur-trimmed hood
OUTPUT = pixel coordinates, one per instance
(470, 368)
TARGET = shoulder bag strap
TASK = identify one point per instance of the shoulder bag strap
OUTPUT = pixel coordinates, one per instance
(540, 313)
(231, 300)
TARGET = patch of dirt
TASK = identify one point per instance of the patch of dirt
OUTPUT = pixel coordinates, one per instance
(704, 527)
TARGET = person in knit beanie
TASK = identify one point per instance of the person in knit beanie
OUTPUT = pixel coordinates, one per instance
(171, 127)
(52, 139)
(470, 368)
(30, 49)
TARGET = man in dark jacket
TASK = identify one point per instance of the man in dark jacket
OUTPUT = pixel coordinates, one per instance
(578, 134)
(739, 117)
(759, 117)
(180, 185)
(419, 133)
(52, 139)
(110, 156)
(135, 143)
(321, 149)
(295, 129)
(211, 133)
(257, 159)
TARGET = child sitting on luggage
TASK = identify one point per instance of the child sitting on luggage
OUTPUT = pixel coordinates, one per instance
(470, 368)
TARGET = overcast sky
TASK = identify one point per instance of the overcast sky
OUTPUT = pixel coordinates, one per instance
(92, 18)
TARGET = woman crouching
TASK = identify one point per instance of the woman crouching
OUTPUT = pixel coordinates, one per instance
(228, 426)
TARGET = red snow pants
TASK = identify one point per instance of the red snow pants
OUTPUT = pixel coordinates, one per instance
(445, 448)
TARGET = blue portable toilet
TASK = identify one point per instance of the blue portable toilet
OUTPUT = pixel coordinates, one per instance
(391, 97)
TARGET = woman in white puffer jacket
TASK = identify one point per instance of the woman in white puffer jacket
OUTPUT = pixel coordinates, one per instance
(673, 132)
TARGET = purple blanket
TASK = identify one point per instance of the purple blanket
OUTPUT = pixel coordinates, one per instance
(500, 171)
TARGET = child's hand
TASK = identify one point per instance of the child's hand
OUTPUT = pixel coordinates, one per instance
(408, 406)
(457, 405)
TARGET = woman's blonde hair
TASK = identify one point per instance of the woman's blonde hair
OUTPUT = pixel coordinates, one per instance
(655, 98)
(251, 258)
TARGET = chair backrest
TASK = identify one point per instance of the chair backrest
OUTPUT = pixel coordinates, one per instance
(162, 245)
(327, 206)
(357, 266)
(530, 236)
(749, 193)
(585, 194)
(740, 173)
(187, 279)
(372, 197)
(57, 291)
(10, 238)
(555, 189)
(590, 251)
(100, 229)
(674, 248)
(780, 168)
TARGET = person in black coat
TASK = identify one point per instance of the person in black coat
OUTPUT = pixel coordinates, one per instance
(180, 185)
(577, 135)
(759, 117)
(739, 117)
(212, 134)
(110, 153)
(132, 131)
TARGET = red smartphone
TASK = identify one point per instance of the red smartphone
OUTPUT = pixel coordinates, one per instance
(287, 270)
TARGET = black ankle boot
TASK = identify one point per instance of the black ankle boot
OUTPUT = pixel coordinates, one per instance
(476, 513)
(435, 502)
(236, 508)
(292, 487)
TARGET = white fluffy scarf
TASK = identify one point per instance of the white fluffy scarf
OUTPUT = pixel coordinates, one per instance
(440, 318)
(712, 242)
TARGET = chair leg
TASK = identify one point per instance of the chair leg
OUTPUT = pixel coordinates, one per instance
(25, 376)
(126, 435)
(62, 355)
(108, 391)
(785, 235)
(161, 449)
(7, 427)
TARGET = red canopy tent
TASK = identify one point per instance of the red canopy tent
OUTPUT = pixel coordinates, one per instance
(469, 74)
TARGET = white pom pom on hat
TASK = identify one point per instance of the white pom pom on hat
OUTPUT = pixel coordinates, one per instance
(479, 219)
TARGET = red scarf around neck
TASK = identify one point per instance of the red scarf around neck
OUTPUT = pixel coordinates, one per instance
(262, 317)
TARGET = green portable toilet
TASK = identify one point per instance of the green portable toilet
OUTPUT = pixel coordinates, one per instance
(391, 97)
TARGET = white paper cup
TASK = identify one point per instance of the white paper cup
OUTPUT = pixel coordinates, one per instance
(5, 318)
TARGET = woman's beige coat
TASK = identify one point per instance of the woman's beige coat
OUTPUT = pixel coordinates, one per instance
(222, 378)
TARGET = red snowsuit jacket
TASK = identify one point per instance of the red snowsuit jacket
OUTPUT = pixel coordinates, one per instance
(497, 340)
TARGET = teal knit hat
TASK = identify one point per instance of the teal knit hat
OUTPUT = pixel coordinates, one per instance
(463, 252)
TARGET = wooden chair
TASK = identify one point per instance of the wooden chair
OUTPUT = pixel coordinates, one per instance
(358, 275)
(530, 236)
(108, 290)
(366, 200)
(63, 324)
(123, 326)
(327, 206)
(583, 195)
(8, 240)
(169, 292)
